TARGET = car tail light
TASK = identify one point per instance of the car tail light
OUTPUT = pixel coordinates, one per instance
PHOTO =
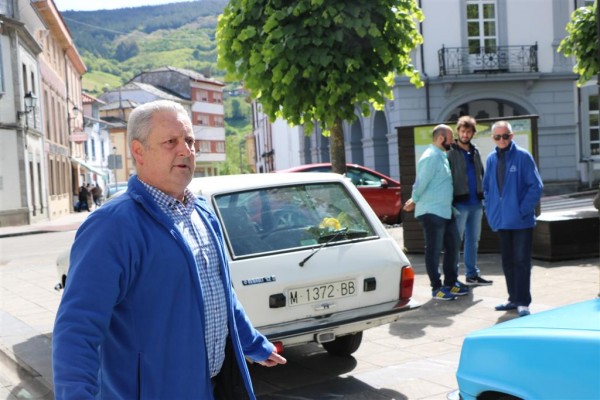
(278, 347)
(407, 281)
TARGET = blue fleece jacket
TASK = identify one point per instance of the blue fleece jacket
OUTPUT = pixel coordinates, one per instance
(514, 208)
(131, 321)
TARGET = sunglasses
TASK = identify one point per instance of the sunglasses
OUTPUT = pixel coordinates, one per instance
(505, 136)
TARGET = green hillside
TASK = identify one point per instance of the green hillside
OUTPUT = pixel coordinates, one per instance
(118, 44)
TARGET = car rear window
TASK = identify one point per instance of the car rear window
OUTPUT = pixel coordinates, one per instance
(290, 217)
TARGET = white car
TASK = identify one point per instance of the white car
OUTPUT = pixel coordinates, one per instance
(310, 261)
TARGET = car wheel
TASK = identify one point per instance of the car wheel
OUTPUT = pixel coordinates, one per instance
(344, 345)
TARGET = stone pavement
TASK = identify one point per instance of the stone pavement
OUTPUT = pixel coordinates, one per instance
(413, 358)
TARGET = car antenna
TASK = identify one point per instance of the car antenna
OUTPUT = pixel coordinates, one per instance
(316, 250)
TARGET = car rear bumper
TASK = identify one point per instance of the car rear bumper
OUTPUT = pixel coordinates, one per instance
(339, 323)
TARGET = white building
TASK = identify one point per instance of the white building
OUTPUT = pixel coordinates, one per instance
(23, 190)
(488, 59)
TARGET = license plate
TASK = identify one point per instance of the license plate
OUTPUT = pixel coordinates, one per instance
(326, 291)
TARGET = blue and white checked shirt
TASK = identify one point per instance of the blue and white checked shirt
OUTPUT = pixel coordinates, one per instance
(193, 229)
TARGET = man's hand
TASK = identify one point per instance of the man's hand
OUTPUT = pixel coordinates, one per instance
(273, 360)
(409, 206)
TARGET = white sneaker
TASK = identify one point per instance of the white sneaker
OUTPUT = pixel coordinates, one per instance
(523, 311)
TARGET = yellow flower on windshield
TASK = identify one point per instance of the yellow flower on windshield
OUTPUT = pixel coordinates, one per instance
(330, 222)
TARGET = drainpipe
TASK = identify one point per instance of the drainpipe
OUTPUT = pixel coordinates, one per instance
(427, 99)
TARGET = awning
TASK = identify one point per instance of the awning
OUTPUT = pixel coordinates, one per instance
(89, 167)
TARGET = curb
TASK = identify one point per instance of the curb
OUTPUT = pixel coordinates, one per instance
(26, 382)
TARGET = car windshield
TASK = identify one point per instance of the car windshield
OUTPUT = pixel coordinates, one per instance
(290, 217)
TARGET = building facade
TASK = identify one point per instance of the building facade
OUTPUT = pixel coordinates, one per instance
(23, 190)
(201, 96)
(97, 146)
(487, 59)
(61, 70)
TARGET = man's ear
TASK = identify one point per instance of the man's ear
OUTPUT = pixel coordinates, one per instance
(137, 151)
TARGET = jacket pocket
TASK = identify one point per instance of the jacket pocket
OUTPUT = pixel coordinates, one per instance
(139, 377)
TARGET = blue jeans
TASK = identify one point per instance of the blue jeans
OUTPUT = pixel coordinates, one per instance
(440, 233)
(515, 246)
(468, 223)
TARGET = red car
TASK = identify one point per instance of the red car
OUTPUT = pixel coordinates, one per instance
(381, 192)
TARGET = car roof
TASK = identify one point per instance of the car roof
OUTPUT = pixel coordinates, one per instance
(207, 186)
(304, 167)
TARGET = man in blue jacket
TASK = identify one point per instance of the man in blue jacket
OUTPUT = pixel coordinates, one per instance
(512, 188)
(148, 311)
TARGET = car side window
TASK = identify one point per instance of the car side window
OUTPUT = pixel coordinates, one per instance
(364, 178)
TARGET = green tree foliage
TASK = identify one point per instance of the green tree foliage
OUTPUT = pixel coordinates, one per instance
(582, 42)
(315, 60)
(126, 49)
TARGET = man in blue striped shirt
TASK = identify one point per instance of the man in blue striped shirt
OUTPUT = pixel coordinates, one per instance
(432, 202)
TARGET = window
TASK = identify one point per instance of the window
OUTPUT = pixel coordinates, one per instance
(220, 147)
(204, 146)
(1, 68)
(481, 26)
(202, 95)
(594, 126)
(288, 218)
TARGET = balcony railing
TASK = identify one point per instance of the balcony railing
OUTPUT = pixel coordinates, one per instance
(501, 59)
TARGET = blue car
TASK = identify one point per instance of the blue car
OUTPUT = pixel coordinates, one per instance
(551, 355)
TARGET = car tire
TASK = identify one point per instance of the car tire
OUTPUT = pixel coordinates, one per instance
(344, 345)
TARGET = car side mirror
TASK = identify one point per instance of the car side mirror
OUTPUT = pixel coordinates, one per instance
(384, 183)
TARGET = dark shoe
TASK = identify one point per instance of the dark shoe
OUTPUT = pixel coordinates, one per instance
(523, 311)
(478, 280)
(506, 307)
(442, 293)
(459, 289)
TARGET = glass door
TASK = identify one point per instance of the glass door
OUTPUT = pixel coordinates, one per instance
(482, 39)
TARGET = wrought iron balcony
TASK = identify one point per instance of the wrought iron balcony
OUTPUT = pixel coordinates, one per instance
(501, 59)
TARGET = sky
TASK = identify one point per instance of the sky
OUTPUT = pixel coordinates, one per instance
(89, 5)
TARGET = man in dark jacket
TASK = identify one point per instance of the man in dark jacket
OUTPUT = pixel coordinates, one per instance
(83, 199)
(467, 174)
(512, 188)
(149, 311)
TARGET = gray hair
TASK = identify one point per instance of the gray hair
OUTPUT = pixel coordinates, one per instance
(139, 124)
(502, 124)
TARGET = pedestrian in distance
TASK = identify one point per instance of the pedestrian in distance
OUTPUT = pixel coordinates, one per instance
(432, 202)
(97, 194)
(467, 176)
(83, 199)
(512, 188)
(149, 311)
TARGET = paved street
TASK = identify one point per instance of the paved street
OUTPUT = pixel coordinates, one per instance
(414, 358)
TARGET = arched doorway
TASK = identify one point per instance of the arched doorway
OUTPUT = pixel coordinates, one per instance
(486, 108)
(355, 146)
(380, 143)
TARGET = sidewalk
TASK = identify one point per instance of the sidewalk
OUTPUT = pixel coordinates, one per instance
(66, 223)
(25, 338)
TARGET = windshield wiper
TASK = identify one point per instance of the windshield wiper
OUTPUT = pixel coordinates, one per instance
(333, 234)
(346, 234)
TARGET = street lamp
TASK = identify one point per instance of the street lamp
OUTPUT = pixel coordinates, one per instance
(30, 104)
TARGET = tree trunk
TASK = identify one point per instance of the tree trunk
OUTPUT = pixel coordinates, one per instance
(337, 151)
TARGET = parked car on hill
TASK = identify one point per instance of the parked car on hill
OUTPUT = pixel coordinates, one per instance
(309, 260)
(383, 193)
(550, 355)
